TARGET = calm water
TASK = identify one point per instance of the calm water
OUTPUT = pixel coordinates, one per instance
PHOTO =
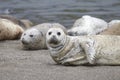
(62, 11)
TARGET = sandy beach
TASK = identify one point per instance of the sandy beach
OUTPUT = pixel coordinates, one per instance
(19, 64)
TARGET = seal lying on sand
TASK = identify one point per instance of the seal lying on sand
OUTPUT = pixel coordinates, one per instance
(114, 28)
(87, 25)
(35, 38)
(9, 30)
(78, 50)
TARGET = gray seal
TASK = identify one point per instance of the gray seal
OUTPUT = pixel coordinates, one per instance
(9, 30)
(82, 50)
(88, 25)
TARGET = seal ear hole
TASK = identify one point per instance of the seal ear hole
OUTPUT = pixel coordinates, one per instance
(31, 35)
(58, 33)
(50, 33)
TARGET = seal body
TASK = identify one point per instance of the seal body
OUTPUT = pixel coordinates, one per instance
(88, 25)
(102, 49)
(114, 28)
(34, 38)
(70, 53)
(9, 30)
(79, 50)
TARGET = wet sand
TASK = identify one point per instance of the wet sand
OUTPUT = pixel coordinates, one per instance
(18, 64)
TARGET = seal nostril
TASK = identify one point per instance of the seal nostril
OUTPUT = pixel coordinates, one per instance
(31, 35)
(53, 36)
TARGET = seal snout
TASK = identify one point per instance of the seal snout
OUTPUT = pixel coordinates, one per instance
(53, 40)
(23, 41)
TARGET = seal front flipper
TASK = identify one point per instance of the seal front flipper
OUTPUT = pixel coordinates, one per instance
(88, 47)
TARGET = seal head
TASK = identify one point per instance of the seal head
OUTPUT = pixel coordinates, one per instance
(55, 37)
(31, 38)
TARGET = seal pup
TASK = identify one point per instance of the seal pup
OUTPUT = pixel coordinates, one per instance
(114, 28)
(64, 49)
(35, 38)
(87, 25)
(9, 30)
(79, 50)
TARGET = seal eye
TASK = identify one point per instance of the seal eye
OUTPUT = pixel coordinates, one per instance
(58, 33)
(31, 35)
(24, 34)
(50, 33)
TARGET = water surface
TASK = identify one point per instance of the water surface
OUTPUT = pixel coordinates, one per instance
(62, 11)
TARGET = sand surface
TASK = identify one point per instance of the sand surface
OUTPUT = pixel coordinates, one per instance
(18, 64)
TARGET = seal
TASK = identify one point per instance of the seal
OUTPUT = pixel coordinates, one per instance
(24, 23)
(83, 50)
(88, 25)
(35, 37)
(114, 28)
(9, 30)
